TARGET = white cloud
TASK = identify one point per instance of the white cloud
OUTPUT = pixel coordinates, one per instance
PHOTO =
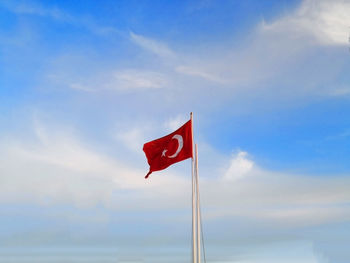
(275, 51)
(135, 79)
(31, 9)
(327, 21)
(156, 47)
(133, 138)
(63, 74)
(272, 53)
(289, 200)
(180, 63)
(79, 86)
(197, 72)
(341, 91)
(175, 123)
(58, 168)
(25, 8)
(240, 166)
(55, 167)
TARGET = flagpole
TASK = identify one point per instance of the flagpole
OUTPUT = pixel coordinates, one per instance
(194, 236)
(198, 209)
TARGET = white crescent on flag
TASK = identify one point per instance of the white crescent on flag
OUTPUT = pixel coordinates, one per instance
(179, 148)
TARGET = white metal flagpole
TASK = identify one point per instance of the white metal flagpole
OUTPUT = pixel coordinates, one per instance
(198, 209)
(194, 226)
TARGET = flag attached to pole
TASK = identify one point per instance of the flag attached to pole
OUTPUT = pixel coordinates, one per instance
(170, 149)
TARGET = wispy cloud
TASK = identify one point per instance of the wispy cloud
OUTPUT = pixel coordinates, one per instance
(276, 50)
(246, 190)
(38, 10)
(240, 166)
(263, 65)
(120, 94)
(156, 47)
(55, 13)
(67, 171)
(176, 122)
(136, 79)
(64, 74)
(340, 92)
(72, 172)
(133, 138)
(198, 72)
(55, 167)
(179, 63)
(327, 21)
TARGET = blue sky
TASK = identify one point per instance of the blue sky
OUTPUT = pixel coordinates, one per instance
(84, 84)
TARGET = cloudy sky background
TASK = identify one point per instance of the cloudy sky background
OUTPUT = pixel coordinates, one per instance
(84, 84)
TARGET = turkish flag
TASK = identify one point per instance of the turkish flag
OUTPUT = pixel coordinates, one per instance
(170, 149)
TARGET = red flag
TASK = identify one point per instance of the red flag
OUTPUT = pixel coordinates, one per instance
(170, 149)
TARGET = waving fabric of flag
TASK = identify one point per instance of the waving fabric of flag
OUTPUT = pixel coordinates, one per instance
(170, 149)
